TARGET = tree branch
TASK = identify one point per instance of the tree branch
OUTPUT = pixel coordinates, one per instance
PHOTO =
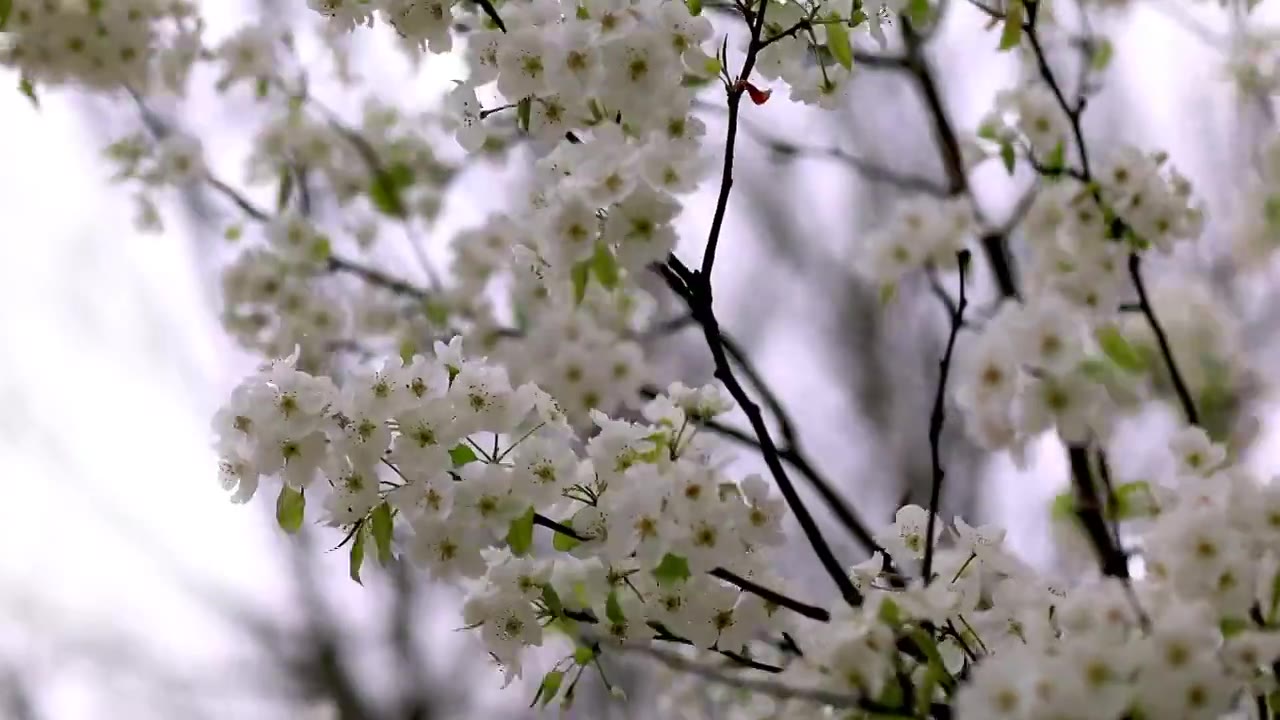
(735, 92)
(812, 612)
(938, 415)
(695, 290)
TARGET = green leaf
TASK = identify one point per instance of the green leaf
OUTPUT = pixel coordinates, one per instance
(1102, 54)
(28, 88)
(387, 186)
(381, 525)
(1012, 34)
(580, 274)
(887, 292)
(1275, 600)
(1231, 627)
(548, 688)
(672, 568)
(613, 610)
(1057, 159)
(1133, 500)
(6, 7)
(524, 112)
(695, 6)
(285, 190)
(357, 555)
(605, 266)
(1116, 347)
(1007, 156)
(1064, 506)
(564, 543)
(989, 131)
(890, 614)
(1271, 210)
(918, 11)
(520, 534)
(408, 348)
(320, 250)
(583, 655)
(290, 507)
(462, 454)
(838, 43)
(552, 600)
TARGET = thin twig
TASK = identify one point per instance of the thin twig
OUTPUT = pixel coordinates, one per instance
(865, 168)
(735, 92)
(812, 612)
(938, 415)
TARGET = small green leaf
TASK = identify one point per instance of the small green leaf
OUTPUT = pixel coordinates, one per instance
(290, 507)
(385, 196)
(233, 232)
(1012, 34)
(6, 7)
(890, 614)
(524, 112)
(1102, 54)
(320, 250)
(918, 11)
(712, 66)
(564, 543)
(520, 534)
(552, 600)
(461, 454)
(28, 88)
(857, 18)
(695, 6)
(285, 190)
(1231, 627)
(408, 349)
(613, 610)
(672, 568)
(838, 43)
(437, 312)
(1057, 159)
(1275, 600)
(1271, 210)
(1064, 506)
(381, 524)
(263, 87)
(583, 655)
(1133, 500)
(989, 131)
(1116, 347)
(580, 274)
(888, 292)
(605, 266)
(357, 555)
(548, 688)
(1007, 156)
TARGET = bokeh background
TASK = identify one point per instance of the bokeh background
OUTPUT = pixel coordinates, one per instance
(131, 588)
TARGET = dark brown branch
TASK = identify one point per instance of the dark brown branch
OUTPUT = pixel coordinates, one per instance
(994, 243)
(377, 277)
(812, 612)
(695, 290)
(938, 415)
(735, 92)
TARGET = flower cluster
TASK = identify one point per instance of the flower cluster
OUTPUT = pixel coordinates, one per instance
(101, 44)
(446, 445)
